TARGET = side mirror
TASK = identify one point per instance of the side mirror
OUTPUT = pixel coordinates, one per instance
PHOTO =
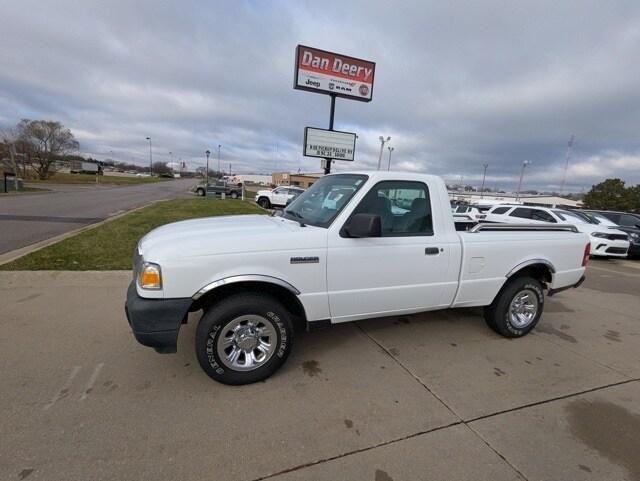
(364, 225)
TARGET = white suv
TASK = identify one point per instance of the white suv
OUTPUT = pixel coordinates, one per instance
(605, 241)
(277, 197)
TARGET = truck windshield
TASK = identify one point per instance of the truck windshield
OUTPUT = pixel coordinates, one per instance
(323, 201)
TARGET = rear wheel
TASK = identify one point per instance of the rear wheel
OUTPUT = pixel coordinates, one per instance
(517, 308)
(200, 192)
(234, 195)
(244, 339)
(264, 203)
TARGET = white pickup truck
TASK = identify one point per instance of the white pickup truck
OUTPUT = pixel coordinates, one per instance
(353, 246)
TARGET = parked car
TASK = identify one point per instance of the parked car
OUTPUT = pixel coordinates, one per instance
(277, 197)
(605, 241)
(352, 258)
(624, 221)
(218, 187)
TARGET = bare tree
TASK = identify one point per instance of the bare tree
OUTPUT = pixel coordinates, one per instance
(42, 142)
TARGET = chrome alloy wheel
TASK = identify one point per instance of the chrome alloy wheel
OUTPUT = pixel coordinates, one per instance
(523, 308)
(247, 342)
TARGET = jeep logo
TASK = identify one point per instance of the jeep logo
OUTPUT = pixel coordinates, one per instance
(312, 83)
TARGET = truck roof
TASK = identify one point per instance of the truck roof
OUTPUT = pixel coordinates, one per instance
(392, 175)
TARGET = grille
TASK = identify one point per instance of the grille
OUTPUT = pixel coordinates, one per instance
(618, 237)
(616, 250)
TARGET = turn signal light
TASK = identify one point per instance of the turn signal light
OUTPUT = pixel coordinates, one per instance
(150, 276)
(587, 253)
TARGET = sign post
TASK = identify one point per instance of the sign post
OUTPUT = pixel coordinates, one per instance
(335, 75)
(10, 176)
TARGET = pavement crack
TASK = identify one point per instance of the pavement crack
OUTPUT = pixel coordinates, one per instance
(494, 450)
(547, 401)
(411, 373)
(356, 451)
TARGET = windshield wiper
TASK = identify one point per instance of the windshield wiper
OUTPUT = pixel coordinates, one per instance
(296, 214)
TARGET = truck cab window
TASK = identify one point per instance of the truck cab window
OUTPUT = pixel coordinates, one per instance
(403, 207)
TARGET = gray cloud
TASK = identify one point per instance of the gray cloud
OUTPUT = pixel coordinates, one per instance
(458, 84)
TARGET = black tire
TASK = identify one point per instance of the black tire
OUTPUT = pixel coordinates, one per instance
(200, 192)
(264, 203)
(233, 195)
(220, 316)
(498, 316)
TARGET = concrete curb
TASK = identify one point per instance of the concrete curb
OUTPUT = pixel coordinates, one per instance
(23, 251)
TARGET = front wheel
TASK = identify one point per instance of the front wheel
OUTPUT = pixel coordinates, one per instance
(264, 202)
(234, 195)
(244, 339)
(200, 192)
(517, 308)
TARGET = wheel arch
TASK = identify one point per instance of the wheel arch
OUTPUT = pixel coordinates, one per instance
(284, 292)
(540, 269)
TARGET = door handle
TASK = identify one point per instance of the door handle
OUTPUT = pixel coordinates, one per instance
(431, 251)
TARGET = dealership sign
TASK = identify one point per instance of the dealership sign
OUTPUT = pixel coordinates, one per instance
(329, 144)
(334, 74)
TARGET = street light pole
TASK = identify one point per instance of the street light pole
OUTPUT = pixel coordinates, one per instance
(382, 142)
(391, 149)
(206, 186)
(524, 164)
(566, 165)
(219, 158)
(484, 175)
(150, 158)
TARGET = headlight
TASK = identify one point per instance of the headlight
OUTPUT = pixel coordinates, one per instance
(603, 235)
(150, 276)
(634, 237)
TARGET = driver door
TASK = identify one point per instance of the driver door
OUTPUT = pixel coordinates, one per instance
(404, 270)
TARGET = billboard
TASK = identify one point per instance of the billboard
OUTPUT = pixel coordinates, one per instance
(335, 74)
(329, 144)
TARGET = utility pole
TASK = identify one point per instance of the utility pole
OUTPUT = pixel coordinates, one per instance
(391, 149)
(382, 142)
(206, 186)
(150, 158)
(566, 164)
(524, 164)
(484, 176)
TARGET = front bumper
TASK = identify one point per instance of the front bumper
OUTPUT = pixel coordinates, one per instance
(609, 248)
(156, 322)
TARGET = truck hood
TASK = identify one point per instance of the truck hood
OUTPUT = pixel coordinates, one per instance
(226, 235)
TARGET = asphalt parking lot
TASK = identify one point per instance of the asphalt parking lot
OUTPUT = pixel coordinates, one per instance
(435, 396)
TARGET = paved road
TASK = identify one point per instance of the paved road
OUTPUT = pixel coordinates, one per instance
(29, 218)
(436, 396)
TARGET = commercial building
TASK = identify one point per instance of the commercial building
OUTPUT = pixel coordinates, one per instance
(300, 180)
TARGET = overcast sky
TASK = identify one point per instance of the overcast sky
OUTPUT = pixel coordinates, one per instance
(458, 84)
